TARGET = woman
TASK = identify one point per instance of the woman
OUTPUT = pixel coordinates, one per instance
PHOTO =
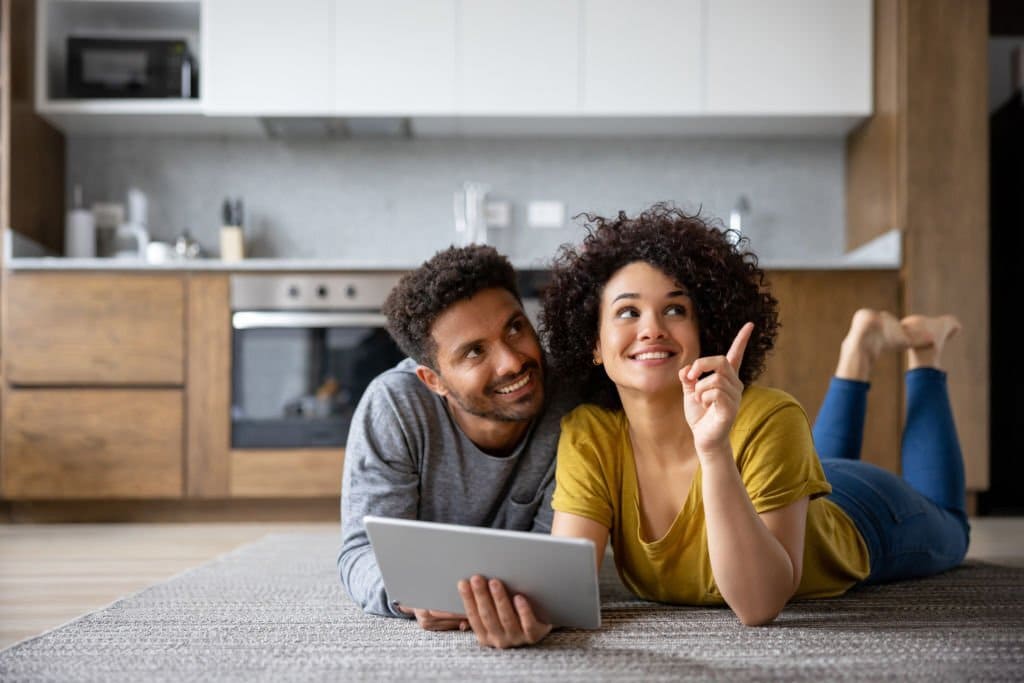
(708, 486)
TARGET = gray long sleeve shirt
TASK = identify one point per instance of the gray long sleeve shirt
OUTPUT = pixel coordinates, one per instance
(405, 457)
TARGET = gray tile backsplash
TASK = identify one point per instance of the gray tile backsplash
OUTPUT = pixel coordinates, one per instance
(391, 200)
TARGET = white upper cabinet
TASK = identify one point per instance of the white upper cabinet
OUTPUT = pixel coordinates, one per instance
(642, 57)
(482, 67)
(518, 58)
(394, 57)
(266, 58)
(796, 57)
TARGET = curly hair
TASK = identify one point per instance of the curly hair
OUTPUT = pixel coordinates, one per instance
(715, 265)
(451, 275)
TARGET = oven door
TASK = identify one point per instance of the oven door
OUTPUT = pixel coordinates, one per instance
(298, 375)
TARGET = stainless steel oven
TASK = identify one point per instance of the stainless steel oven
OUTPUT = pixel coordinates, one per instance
(304, 348)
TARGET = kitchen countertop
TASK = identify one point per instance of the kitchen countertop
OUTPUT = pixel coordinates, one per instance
(882, 253)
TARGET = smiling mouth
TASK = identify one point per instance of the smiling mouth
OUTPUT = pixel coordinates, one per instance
(515, 386)
(651, 355)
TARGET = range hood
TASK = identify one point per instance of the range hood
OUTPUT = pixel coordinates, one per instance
(341, 128)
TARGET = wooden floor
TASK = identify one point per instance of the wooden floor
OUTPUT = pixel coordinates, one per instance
(52, 573)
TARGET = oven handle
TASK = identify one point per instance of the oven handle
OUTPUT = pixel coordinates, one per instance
(247, 320)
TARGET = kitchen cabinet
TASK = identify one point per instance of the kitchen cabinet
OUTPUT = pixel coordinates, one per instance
(483, 67)
(394, 57)
(628, 69)
(518, 58)
(105, 329)
(789, 57)
(93, 386)
(815, 307)
(92, 443)
(266, 58)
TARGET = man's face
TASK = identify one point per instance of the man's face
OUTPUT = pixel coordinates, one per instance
(489, 361)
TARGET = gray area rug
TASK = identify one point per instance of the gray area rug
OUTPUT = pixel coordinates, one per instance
(274, 611)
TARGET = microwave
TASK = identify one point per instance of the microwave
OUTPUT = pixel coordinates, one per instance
(135, 68)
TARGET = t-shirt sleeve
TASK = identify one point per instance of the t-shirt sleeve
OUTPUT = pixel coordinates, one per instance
(581, 484)
(778, 462)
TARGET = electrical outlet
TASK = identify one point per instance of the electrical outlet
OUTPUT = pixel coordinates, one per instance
(498, 214)
(545, 214)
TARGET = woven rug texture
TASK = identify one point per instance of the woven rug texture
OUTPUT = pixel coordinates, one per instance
(275, 611)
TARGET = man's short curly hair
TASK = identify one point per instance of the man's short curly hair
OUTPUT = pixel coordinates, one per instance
(714, 264)
(450, 276)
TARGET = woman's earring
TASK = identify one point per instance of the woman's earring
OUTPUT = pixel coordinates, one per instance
(595, 360)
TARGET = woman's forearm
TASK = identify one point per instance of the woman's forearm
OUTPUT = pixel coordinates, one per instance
(751, 567)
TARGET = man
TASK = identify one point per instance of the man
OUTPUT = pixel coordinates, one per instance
(464, 431)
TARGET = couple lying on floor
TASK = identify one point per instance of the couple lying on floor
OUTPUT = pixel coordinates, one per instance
(710, 488)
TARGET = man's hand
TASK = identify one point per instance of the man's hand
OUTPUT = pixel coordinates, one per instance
(496, 619)
(434, 620)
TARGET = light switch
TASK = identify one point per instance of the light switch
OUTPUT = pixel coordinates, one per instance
(545, 214)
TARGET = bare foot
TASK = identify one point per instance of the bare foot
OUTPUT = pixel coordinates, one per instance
(871, 332)
(927, 336)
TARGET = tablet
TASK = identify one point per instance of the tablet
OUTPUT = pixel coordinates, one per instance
(421, 563)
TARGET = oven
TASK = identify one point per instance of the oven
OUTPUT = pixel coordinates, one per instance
(304, 349)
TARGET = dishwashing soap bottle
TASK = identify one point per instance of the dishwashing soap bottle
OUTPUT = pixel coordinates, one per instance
(79, 230)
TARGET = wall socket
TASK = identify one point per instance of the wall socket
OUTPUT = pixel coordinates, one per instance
(545, 214)
(498, 213)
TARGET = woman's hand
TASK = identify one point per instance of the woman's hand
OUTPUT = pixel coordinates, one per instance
(497, 619)
(710, 404)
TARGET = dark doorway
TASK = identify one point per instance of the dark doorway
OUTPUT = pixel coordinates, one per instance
(1006, 242)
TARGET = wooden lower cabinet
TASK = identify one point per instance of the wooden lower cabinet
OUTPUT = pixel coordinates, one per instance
(815, 308)
(267, 473)
(92, 443)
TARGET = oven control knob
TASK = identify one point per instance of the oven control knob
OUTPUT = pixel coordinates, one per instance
(293, 291)
(350, 291)
(321, 291)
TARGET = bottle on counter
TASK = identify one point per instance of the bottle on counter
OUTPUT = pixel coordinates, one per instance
(79, 229)
(232, 237)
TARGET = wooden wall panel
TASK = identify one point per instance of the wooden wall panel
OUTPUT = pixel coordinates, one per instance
(36, 190)
(94, 328)
(208, 386)
(921, 165)
(875, 153)
(947, 235)
(815, 308)
(93, 443)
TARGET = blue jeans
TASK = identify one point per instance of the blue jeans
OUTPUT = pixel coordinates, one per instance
(915, 525)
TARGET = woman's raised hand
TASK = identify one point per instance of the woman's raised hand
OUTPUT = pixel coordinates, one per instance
(711, 394)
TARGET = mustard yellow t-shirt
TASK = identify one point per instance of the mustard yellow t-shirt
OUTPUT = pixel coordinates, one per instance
(771, 441)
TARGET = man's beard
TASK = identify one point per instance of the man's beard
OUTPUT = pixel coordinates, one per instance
(482, 406)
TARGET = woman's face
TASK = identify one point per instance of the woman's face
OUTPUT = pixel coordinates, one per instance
(648, 330)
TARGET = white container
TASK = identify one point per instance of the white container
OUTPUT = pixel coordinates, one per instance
(79, 230)
(232, 243)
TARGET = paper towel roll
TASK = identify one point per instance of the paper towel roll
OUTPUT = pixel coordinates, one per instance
(79, 230)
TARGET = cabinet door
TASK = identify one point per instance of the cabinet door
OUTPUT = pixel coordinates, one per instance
(92, 443)
(815, 309)
(809, 57)
(394, 57)
(642, 57)
(269, 58)
(94, 328)
(518, 58)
